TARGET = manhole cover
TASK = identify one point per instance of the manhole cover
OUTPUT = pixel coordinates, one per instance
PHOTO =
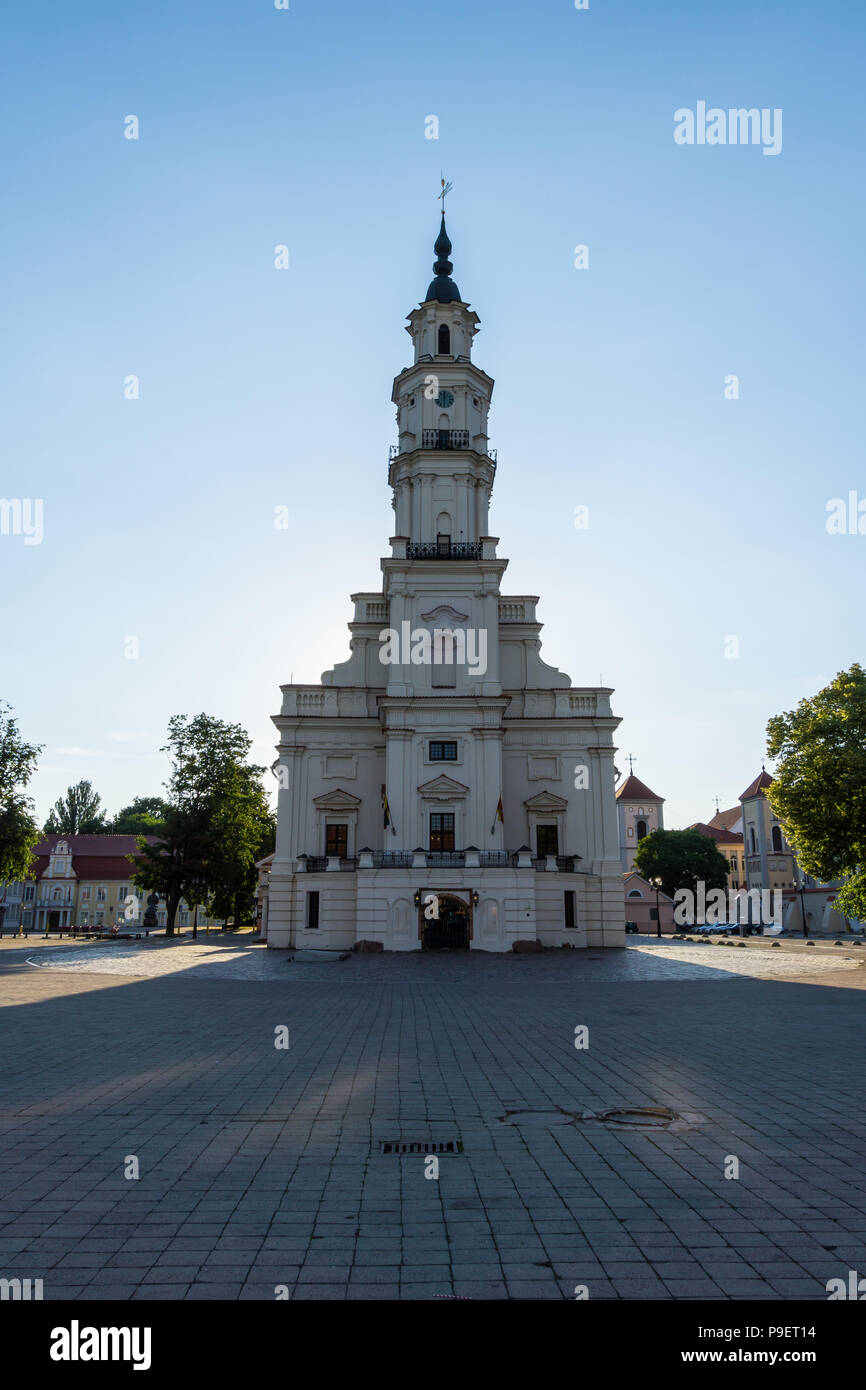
(616, 1116)
(639, 1117)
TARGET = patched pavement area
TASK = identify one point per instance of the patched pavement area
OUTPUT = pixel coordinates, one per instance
(308, 1169)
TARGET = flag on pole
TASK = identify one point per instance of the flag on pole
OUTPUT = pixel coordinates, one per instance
(498, 817)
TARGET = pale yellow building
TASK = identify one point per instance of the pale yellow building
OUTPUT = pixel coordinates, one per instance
(84, 881)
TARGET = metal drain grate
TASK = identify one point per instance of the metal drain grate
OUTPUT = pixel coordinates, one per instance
(400, 1146)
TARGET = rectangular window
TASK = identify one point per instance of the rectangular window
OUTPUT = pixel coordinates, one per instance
(569, 908)
(122, 892)
(442, 830)
(29, 891)
(312, 911)
(443, 752)
(654, 914)
(85, 894)
(100, 894)
(337, 840)
(547, 840)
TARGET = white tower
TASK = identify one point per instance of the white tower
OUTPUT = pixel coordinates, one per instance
(444, 758)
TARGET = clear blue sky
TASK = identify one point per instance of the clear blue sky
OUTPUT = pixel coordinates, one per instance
(261, 388)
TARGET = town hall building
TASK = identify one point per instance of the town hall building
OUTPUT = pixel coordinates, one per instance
(444, 787)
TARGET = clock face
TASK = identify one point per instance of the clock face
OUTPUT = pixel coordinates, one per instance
(445, 398)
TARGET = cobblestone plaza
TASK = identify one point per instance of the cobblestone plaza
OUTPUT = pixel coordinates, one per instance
(260, 1168)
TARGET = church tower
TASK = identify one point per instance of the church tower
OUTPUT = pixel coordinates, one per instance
(444, 786)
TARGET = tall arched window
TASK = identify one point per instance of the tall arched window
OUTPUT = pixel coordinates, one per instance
(753, 840)
(777, 839)
(444, 339)
(641, 829)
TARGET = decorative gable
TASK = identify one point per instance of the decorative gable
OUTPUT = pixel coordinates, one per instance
(337, 800)
(444, 613)
(546, 801)
(443, 788)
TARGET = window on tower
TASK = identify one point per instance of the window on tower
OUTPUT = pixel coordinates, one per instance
(444, 339)
(641, 829)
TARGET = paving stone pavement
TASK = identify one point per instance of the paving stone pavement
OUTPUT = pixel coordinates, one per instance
(260, 1169)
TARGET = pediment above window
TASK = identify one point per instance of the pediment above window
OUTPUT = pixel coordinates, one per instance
(444, 787)
(546, 801)
(337, 800)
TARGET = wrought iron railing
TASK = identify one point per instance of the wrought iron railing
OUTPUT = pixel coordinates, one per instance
(430, 440)
(318, 863)
(564, 862)
(444, 439)
(440, 550)
(438, 859)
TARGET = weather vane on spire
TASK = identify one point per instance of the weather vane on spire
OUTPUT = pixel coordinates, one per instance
(446, 189)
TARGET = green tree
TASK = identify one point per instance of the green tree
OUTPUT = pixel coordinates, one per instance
(681, 859)
(79, 812)
(245, 831)
(19, 831)
(819, 791)
(211, 829)
(145, 815)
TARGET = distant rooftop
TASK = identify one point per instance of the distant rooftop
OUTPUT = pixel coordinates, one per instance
(633, 789)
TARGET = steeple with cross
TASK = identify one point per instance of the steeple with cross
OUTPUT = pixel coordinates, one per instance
(442, 469)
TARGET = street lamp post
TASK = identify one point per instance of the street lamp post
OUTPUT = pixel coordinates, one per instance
(658, 915)
(803, 908)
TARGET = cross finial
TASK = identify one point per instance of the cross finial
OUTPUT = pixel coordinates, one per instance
(445, 190)
(716, 800)
(630, 761)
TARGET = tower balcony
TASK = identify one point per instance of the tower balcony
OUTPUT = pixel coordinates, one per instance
(444, 549)
(444, 439)
(452, 440)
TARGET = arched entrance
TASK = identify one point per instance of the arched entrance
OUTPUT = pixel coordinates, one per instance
(451, 929)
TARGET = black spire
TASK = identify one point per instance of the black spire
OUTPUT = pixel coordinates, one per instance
(443, 287)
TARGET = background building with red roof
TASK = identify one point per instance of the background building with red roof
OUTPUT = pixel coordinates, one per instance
(639, 813)
(82, 881)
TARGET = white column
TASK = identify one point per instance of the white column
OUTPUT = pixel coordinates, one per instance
(416, 509)
(397, 756)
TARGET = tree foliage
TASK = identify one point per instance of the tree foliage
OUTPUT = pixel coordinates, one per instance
(79, 812)
(19, 830)
(213, 822)
(145, 815)
(681, 859)
(819, 791)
